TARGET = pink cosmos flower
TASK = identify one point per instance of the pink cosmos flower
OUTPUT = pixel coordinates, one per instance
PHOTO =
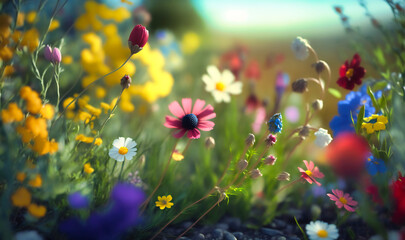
(312, 173)
(190, 121)
(342, 200)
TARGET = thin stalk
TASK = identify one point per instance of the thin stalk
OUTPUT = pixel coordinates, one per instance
(313, 52)
(112, 171)
(288, 185)
(290, 154)
(144, 204)
(192, 225)
(187, 146)
(57, 72)
(122, 168)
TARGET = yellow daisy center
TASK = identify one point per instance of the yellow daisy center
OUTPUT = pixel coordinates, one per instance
(322, 233)
(309, 173)
(349, 73)
(123, 150)
(343, 200)
(220, 86)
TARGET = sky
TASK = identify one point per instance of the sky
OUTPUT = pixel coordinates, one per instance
(285, 17)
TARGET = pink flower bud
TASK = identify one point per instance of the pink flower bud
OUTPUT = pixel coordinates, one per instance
(270, 160)
(126, 81)
(56, 55)
(48, 53)
(271, 140)
(138, 38)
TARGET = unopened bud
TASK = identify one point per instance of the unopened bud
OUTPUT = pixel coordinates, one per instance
(126, 81)
(250, 140)
(320, 66)
(304, 132)
(300, 85)
(317, 105)
(242, 164)
(141, 160)
(283, 176)
(271, 140)
(209, 142)
(270, 160)
(255, 173)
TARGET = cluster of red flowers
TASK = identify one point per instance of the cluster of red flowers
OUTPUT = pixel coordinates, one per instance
(398, 193)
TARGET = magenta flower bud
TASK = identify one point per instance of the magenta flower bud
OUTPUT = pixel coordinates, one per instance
(138, 38)
(270, 160)
(48, 53)
(126, 81)
(271, 140)
(255, 173)
(56, 55)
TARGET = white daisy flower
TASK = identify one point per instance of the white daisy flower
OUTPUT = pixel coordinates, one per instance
(300, 48)
(321, 231)
(123, 149)
(221, 85)
(323, 138)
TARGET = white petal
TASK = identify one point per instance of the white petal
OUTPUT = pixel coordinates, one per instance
(120, 158)
(129, 156)
(119, 142)
(235, 88)
(226, 97)
(214, 72)
(217, 96)
(131, 144)
(227, 77)
(127, 141)
(209, 83)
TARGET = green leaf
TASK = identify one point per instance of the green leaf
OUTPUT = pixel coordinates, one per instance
(383, 104)
(379, 54)
(334, 92)
(360, 119)
(371, 94)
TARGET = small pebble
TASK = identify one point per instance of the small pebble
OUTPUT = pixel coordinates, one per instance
(184, 238)
(218, 234)
(199, 236)
(223, 226)
(271, 232)
(238, 235)
(278, 238)
(229, 236)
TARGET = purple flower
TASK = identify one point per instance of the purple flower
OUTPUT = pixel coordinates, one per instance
(48, 53)
(111, 222)
(53, 55)
(77, 200)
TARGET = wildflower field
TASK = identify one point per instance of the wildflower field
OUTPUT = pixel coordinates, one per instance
(187, 119)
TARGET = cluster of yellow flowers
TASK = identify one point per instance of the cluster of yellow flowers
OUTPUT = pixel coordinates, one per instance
(22, 197)
(103, 57)
(34, 131)
(374, 123)
(83, 138)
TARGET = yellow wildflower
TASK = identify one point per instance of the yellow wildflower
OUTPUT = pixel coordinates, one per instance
(177, 156)
(21, 176)
(374, 123)
(20, 19)
(47, 111)
(37, 210)
(85, 139)
(6, 54)
(30, 39)
(164, 202)
(67, 101)
(67, 59)
(36, 182)
(42, 146)
(88, 169)
(54, 25)
(12, 114)
(190, 42)
(100, 92)
(31, 16)
(8, 70)
(21, 197)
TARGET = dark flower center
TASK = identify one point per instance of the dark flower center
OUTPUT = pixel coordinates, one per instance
(190, 121)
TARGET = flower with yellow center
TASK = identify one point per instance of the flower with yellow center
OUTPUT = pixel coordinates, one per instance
(221, 85)
(349, 73)
(123, 149)
(319, 230)
(164, 202)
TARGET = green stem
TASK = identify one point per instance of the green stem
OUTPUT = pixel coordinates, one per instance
(122, 168)
(112, 171)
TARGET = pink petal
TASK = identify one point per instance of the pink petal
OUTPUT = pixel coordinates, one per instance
(306, 164)
(317, 173)
(187, 103)
(317, 183)
(348, 208)
(176, 109)
(198, 106)
(207, 113)
(205, 125)
(346, 196)
(193, 134)
(332, 197)
(301, 170)
(339, 204)
(352, 203)
(172, 122)
(339, 193)
(334, 192)
(180, 133)
(311, 166)
(305, 176)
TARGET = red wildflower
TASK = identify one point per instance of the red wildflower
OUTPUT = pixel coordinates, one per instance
(351, 74)
(398, 193)
(190, 121)
(311, 173)
(347, 154)
(253, 70)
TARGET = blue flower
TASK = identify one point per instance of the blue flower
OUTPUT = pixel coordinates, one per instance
(275, 123)
(77, 200)
(375, 165)
(349, 108)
